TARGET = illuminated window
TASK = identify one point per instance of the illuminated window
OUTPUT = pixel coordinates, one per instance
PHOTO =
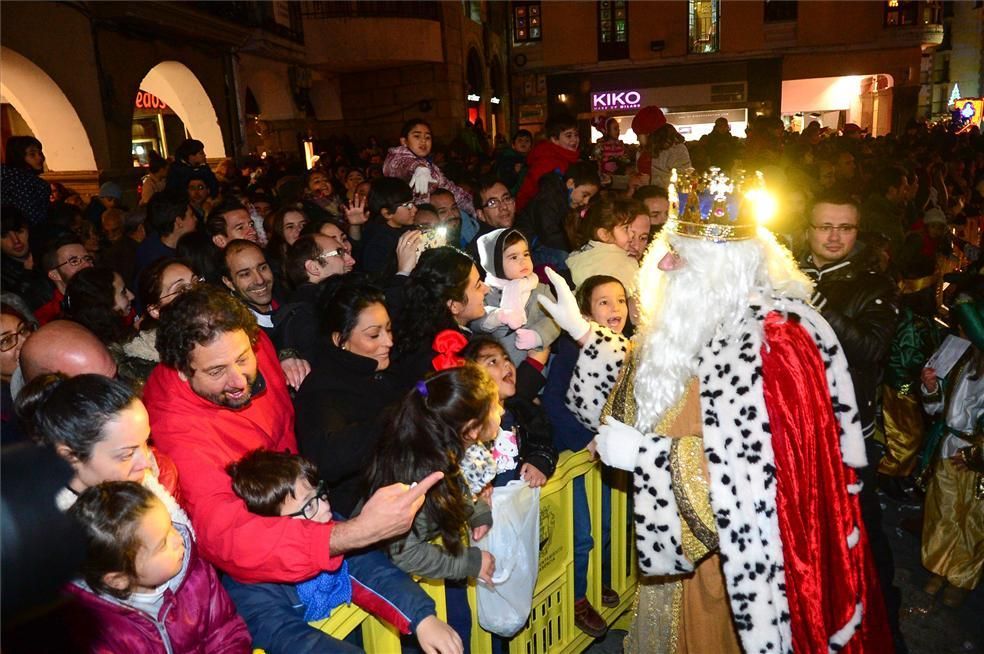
(613, 29)
(901, 12)
(704, 29)
(527, 22)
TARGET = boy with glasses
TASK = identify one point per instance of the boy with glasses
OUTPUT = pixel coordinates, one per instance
(286, 485)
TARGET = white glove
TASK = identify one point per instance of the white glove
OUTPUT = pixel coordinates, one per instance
(527, 339)
(421, 180)
(564, 311)
(618, 444)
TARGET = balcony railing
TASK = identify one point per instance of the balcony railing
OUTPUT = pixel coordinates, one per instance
(369, 9)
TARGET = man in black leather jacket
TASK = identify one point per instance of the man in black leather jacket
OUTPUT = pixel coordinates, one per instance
(861, 304)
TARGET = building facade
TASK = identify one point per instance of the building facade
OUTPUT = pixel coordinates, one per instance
(836, 62)
(100, 84)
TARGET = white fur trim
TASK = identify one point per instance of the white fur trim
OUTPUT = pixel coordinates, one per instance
(837, 642)
(854, 489)
(853, 537)
(658, 531)
(595, 374)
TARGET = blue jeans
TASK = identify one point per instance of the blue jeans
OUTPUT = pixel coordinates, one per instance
(584, 543)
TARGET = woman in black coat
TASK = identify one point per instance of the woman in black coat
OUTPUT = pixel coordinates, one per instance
(340, 404)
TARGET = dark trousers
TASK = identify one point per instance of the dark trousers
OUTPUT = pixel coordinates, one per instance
(871, 514)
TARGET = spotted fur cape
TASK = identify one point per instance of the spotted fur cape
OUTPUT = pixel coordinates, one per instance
(741, 465)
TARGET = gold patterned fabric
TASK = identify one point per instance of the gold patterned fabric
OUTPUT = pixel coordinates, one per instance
(655, 616)
(953, 526)
(904, 432)
(693, 496)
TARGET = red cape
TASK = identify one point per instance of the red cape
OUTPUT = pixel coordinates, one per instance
(825, 577)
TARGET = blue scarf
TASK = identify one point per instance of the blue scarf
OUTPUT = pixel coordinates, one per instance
(321, 594)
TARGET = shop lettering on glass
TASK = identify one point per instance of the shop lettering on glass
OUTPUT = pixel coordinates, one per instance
(147, 100)
(615, 100)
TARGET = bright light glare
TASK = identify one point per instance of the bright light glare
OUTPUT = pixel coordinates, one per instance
(764, 205)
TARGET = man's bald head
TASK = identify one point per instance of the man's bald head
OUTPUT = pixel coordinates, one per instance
(66, 347)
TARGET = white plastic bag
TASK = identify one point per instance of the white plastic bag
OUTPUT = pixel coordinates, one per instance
(514, 541)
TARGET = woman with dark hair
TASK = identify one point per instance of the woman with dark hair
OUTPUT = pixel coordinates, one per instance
(20, 177)
(283, 228)
(100, 427)
(444, 291)
(158, 285)
(100, 302)
(339, 405)
(98, 299)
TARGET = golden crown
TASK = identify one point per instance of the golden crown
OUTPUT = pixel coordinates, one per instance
(716, 207)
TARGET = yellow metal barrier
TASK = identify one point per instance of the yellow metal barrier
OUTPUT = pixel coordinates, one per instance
(551, 625)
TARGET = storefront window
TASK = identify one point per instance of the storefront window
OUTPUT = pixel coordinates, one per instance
(155, 128)
(704, 27)
(613, 29)
(527, 22)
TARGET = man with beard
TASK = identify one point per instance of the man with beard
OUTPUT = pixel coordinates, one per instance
(744, 439)
(219, 393)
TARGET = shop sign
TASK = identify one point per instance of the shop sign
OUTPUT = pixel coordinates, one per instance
(147, 100)
(615, 100)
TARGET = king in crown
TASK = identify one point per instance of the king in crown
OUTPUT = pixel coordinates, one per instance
(736, 413)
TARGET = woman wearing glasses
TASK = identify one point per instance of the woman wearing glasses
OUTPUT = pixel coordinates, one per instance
(159, 284)
(14, 330)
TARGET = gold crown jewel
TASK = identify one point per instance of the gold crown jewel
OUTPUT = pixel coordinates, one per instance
(715, 207)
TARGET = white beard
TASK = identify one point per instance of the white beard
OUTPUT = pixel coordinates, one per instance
(707, 296)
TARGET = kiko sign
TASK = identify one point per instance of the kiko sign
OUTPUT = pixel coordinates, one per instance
(615, 100)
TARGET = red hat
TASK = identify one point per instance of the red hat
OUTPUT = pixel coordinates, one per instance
(648, 120)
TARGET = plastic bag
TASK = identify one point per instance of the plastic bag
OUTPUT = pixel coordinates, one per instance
(514, 541)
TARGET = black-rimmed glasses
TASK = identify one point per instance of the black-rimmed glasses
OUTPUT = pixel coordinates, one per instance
(310, 508)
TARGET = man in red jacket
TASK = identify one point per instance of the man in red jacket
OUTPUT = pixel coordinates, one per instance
(219, 393)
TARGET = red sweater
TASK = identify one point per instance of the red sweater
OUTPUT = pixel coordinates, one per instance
(202, 438)
(545, 157)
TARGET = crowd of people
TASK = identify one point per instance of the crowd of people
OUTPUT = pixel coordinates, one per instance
(274, 388)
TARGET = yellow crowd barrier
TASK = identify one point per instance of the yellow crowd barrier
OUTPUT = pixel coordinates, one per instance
(551, 624)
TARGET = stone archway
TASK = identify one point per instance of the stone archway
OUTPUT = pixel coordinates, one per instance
(176, 85)
(46, 110)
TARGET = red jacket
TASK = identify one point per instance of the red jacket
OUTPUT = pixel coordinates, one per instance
(199, 618)
(202, 438)
(545, 157)
(50, 309)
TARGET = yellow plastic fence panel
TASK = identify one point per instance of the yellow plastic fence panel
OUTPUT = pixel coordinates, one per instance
(550, 629)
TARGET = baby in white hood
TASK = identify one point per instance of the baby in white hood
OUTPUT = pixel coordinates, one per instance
(512, 314)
